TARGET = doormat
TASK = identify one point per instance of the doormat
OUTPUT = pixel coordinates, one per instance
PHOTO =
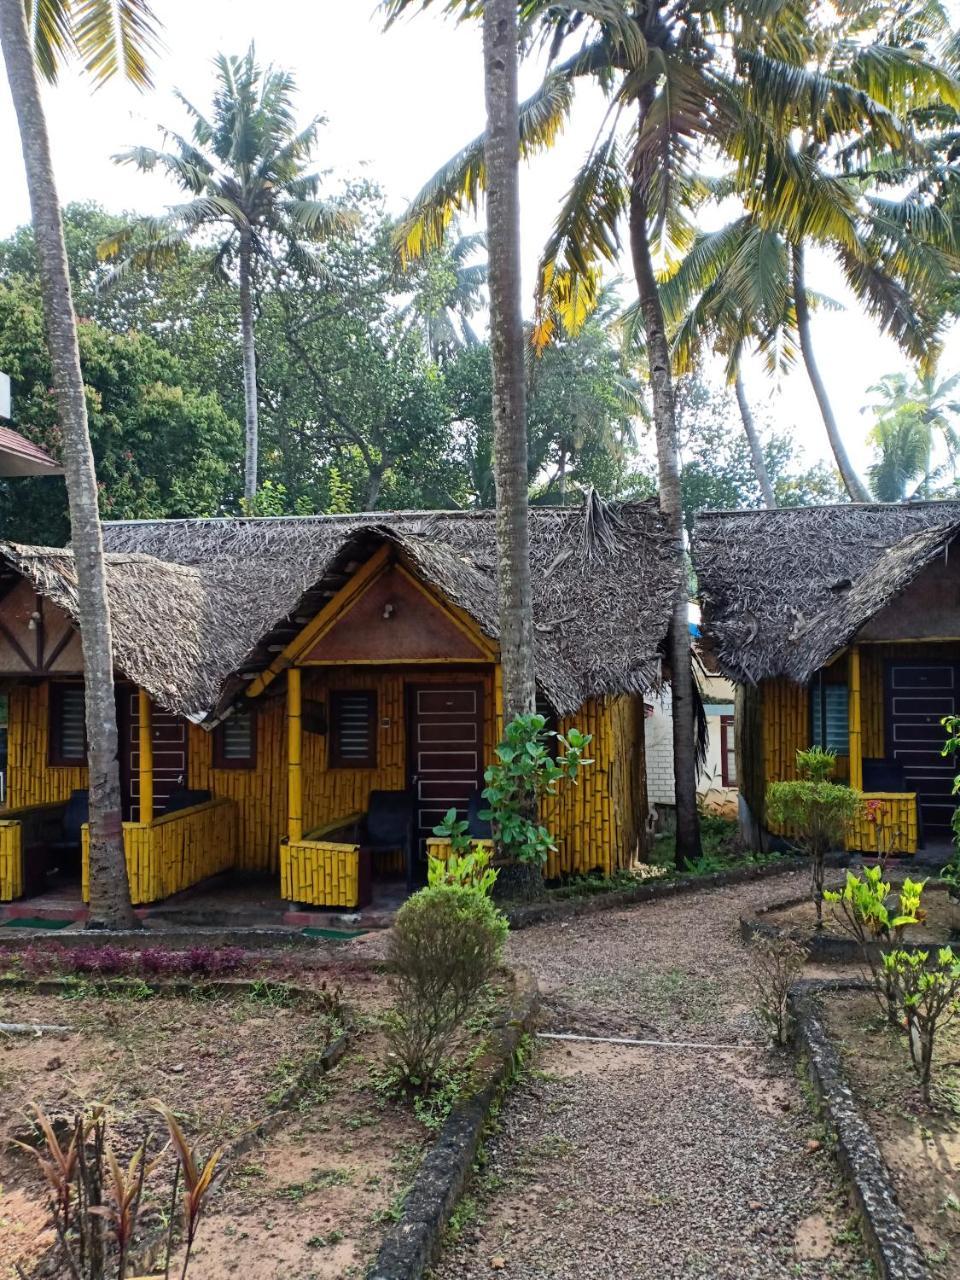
(34, 922)
(334, 935)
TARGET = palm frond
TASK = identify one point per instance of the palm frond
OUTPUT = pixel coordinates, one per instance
(116, 37)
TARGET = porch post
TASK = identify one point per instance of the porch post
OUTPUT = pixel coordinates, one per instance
(146, 755)
(498, 701)
(855, 714)
(294, 756)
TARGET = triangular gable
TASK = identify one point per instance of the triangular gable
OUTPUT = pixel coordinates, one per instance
(395, 620)
(36, 636)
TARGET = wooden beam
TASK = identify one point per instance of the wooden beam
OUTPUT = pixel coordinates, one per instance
(146, 755)
(855, 721)
(294, 757)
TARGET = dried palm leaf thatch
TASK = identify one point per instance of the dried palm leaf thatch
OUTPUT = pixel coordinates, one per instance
(784, 591)
(197, 604)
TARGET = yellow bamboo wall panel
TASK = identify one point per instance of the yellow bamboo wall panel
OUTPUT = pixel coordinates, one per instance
(31, 779)
(11, 861)
(321, 873)
(898, 815)
(175, 851)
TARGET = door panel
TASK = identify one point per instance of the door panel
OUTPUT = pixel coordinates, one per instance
(445, 758)
(169, 734)
(919, 695)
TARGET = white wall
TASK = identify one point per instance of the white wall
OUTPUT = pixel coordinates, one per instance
(659, 750)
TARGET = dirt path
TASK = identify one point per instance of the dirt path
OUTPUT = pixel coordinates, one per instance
(655, 1164)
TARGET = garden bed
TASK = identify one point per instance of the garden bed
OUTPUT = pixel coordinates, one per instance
(311, 1199)
(920, 1145)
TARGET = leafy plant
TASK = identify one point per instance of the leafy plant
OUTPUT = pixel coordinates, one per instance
(467, 865)
(95, 1201)
(928, 996)
(444, 948)
(816, 810)
(774, 964)
(524, 771)
(867, 913)
(950, 876)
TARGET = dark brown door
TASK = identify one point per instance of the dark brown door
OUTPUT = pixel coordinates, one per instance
(919, 695)
(169, 754)
(446, 750)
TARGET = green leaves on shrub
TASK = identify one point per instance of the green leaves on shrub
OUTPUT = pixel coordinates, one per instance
(927, 994)
(444, 948)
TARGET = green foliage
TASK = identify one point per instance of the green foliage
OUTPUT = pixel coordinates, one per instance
(444, 948)
(817, 810)
(523, 772)
(950, 748)
(927, 994)
(466, 866)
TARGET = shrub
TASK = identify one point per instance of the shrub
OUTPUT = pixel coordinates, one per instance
(816, 810)
(444, 948)
(928, 996)
(869, 914)
(775, 963)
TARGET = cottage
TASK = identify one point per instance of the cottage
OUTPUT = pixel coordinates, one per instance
(841, 627)
(279, 680)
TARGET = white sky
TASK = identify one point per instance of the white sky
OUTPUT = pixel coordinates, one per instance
(398, 104)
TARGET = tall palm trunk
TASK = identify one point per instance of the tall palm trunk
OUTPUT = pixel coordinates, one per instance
(109, 892)
(248, 338)
(852, 482)
(500, 55)
(753, 440)
(668, 467)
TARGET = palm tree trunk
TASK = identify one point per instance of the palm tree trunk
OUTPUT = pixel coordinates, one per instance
(109, 891)
(668, 466)
(753, 440)
(248, 338)
(854, 485)
(506, 353)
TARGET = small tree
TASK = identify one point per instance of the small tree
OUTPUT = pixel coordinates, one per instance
(774, 964)
(815, 811)
(523, 773)
(928, 996)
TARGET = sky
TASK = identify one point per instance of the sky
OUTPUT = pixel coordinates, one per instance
(398, 104)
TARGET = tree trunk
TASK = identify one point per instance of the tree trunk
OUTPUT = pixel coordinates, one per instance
(109, 891)
(248, 338)
(748, 747)
(372, 491)
(753, 439)
(506, 354)
(852, 482)
(668, 467)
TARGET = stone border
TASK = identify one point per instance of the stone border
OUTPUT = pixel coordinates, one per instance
(521, 917)
(831, 948)
(412, 1242)
(889, 1237)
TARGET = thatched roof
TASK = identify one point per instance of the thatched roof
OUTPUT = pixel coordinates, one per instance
(783, 591)
(198, 604)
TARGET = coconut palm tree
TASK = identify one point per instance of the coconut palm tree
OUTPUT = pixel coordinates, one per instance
(245, 173)
(902, 450)
(910, 418)
(679, 78)
(110, 37)
(449, 289)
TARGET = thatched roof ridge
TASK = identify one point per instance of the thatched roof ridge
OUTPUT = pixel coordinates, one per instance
(783, 591)
(196, 604)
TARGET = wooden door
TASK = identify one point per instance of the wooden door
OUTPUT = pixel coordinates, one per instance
(919, 695)
(445, 756)
(169, 754)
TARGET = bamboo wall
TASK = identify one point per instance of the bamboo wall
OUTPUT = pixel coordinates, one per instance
(174, 851)
(31, 779)
(11, 861)
(320, 872)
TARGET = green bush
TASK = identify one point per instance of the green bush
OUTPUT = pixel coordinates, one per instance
(816, 810)
(444, 948)
(928, 996)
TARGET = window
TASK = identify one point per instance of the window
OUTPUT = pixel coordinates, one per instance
(235, 741)
(68, 725)
(829, 718)
(353, 729)
(728, 753)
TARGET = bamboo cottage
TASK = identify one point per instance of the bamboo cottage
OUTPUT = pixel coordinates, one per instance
(841, 626)
(276, 677)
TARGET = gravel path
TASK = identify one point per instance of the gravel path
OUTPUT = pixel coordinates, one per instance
(615, 1163)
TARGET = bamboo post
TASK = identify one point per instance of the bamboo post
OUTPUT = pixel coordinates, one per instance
(854, 711)
(294, 757)
(498, 702)
(146, 756)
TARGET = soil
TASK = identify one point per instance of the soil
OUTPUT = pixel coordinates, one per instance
(942, 918)
(311, 1202)
(920, 1144)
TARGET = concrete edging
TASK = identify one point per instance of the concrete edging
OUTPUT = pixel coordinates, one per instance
(410, 1245)
(521, 917)
(890, 1238)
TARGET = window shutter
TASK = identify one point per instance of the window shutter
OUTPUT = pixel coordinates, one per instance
(236, 743)
(830, 718)
(68, 724)
(354, 718)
